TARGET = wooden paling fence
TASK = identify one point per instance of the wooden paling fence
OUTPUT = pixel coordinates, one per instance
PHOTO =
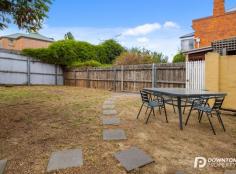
(128, 78)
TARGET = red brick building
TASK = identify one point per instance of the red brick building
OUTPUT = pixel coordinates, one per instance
(213, 29)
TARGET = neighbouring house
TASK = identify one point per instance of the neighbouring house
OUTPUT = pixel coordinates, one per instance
(20, 41)
(213, 33)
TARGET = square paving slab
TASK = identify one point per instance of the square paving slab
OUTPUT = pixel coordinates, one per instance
(111, 121)
(3, 164)
(114, 134)
(109, 112)
(133, 158)
(108, 107)
(108, 102)
(65, 159)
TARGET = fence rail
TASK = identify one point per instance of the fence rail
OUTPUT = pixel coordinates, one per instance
(20, 70)
(128, 78)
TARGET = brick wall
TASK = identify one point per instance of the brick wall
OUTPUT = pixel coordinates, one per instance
(215, 28)
(23, 43)
(221, 25)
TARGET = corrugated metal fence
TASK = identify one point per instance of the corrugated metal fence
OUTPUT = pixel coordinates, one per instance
(128, 78)
(20, 70)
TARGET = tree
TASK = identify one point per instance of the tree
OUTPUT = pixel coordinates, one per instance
(69, 36)
(25, 14)
(109, 50)
(159, 58)
(179, 57)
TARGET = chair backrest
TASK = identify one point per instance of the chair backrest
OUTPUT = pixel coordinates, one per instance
(218, 102)
(144, 96)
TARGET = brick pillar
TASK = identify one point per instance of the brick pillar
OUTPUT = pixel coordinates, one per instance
(219, 7)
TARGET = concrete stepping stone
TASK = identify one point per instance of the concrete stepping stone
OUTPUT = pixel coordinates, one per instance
(111, 121)
(230, 172)
(108, 107)
(3, 164)
(65, 159)
(179, 172)
(114, 134)
(133, 158)
(108, 102)
(109, 112)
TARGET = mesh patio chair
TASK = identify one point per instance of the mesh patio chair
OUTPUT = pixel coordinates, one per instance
(202, 106)
(148, 102)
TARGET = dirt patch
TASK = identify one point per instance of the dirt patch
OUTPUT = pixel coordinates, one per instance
(36, 121)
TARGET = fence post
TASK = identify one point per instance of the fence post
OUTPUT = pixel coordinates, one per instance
(55, 74)
(88, 81)
(114, 82)
(153, 67)
(28, 71)
(122, 77)
(75, 76)
(155, 76)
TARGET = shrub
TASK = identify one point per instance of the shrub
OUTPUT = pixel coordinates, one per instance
(137, 56)
(179, 57)
(67, 52)
(89, 63)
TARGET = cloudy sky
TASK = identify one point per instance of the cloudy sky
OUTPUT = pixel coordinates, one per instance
(153, 24)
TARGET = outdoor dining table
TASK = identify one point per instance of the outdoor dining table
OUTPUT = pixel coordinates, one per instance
(183, 93)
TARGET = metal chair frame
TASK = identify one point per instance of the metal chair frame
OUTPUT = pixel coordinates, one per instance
(151, 103)
(202, 106)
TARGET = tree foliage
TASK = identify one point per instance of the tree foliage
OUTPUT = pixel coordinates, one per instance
(140, 56)
(179, 57)
(69, 36)
(25, 14)
(71, 52)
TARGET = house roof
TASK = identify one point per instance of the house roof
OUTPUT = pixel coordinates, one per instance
(231, 10)
(187, 35)
(30, 35)
(197, 50)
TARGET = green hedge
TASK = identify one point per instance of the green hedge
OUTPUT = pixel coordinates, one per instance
(71, 52)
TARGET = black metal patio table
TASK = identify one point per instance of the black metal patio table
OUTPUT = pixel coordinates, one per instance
(181, 93)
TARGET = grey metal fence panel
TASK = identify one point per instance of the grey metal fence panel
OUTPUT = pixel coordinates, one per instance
(21, 70)
(13, 65)
(13, 78)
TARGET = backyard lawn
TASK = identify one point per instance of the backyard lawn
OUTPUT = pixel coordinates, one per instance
(36, 121)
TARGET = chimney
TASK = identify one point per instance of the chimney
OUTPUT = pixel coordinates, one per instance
(219, 7)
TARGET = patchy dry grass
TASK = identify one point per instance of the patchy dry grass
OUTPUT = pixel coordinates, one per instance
(171, 148)
(36, 121)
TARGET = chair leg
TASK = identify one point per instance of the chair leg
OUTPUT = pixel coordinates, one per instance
(140, 110)
(153, 112)
(165, 113)
(200, 119)
(188, 115)
(160, 110)
(220, 120)
(146, 110)
(199, 115)
(149, 115)
(211, 123)
(185, 105)
(173, 105)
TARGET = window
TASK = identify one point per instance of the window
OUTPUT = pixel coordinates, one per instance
(187, 44)
(11, 42)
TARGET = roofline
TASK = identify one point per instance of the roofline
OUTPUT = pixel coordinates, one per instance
(26, 37)
(183, 37)
(198, 50)
(208, 17)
